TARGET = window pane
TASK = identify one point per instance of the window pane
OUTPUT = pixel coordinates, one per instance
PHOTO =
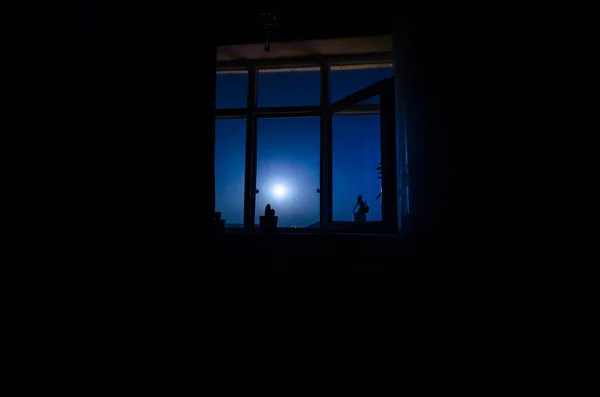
(230, 155)
(232, 90)
(288, 170)
(295, 88)
(356, 155)
(347, 81)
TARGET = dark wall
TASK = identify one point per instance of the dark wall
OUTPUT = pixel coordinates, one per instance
(111, 117)
(108, 169)
(441, 61)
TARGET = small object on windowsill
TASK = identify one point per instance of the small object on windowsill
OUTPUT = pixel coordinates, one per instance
(268, 222)
(360, 214)
(218, 223)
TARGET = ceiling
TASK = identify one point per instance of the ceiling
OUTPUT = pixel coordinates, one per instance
(240, 22)
(306, 48)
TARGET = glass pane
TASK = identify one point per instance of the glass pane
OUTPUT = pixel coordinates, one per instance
(232, 90)
(347, 81)
(288, 170)
(289, 88)
(356, 156)
(230, 158)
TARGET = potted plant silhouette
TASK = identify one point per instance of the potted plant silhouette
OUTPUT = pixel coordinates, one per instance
(268, 222)
(218, 223)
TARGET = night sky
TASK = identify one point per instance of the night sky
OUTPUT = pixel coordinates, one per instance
(289, 148)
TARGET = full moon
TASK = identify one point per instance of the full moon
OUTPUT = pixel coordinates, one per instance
(279, 191)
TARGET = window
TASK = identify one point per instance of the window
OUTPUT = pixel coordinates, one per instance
(232, 90)
(282, 87)
(356, 155)
(230, 165)
(347, 80)
(311, 182)
(288, 170)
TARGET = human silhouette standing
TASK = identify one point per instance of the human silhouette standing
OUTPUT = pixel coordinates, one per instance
(360, 215)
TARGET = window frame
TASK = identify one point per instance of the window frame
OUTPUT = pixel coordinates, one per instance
(252, 112)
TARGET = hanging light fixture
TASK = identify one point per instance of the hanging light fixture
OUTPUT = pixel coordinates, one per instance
(269, 22)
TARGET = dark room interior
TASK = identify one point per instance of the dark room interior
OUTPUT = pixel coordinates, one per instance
(116, 279)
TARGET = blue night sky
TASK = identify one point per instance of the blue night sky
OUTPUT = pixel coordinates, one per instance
(288, 154)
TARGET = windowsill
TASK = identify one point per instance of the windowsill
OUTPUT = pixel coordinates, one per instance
(311, 232)
(371, 228)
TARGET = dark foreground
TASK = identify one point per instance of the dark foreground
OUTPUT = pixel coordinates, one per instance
(285, 315)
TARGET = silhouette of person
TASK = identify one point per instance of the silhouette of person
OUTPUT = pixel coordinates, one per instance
(363, 208)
